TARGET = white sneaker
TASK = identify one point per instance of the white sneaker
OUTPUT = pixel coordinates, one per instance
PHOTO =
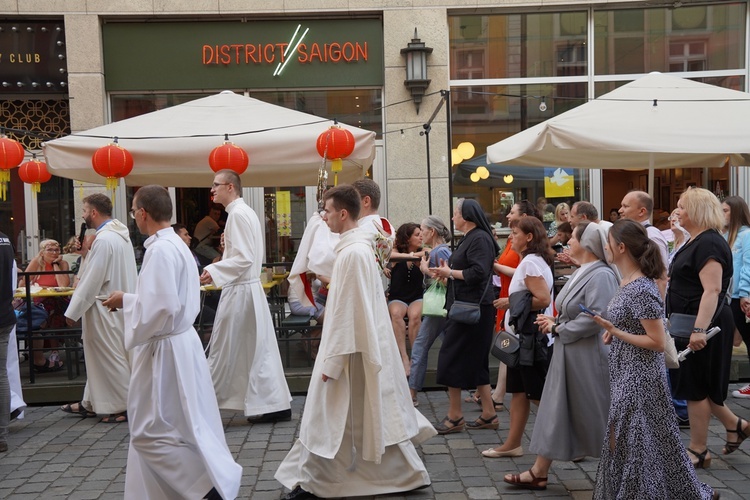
(742, 393)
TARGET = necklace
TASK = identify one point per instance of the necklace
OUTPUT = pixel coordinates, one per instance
(630, 276)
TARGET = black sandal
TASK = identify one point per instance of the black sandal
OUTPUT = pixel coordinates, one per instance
(456, 426)
(81, 411)
(732, 446)
(116, 418)
(703, 462)
(484, 423)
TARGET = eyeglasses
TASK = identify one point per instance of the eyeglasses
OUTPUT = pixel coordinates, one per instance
(133, 212)
(217, 184)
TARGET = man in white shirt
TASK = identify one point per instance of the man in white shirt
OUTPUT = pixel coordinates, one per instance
(638, 206)
(244, 355)
(108, 266)
(177, 444)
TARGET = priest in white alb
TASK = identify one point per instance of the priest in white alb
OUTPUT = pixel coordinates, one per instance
(177, 444)
(359, 425)
(109, 266)
(243, 354)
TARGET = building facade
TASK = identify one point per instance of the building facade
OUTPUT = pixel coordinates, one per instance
(502, 66)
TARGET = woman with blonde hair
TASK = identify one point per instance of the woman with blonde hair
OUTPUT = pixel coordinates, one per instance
(699, 278)
(48, 259)
(562, 211)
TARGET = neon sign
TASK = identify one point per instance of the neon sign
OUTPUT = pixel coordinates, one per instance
(281, 53)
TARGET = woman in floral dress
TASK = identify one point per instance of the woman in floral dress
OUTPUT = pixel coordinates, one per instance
(642, 456)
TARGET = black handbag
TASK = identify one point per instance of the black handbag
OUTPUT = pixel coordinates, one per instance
(464, 312)
(505, 347)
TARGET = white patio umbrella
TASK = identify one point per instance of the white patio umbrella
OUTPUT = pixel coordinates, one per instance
(657, 121)
(171, 146)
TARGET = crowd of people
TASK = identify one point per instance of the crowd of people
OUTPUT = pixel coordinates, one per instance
(591, 356)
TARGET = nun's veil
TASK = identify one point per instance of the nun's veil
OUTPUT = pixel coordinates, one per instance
(472, 212)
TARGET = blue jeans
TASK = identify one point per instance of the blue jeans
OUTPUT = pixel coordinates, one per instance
(432, 327)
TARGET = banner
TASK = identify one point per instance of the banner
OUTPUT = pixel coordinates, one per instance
(558, 183)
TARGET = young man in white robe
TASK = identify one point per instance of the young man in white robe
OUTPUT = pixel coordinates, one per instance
(110, 265)
(243, 355)
(359, 426)
(177, 444)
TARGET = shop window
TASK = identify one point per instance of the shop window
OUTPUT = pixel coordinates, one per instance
(514, 45)
(643, 40)
(511, 109)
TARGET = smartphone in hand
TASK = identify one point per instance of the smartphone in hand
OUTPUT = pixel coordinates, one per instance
(586, 310)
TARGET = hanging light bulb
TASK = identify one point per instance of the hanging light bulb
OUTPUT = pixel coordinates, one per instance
(543, 106)
(474, 177)
(483, 172)
(508, 179)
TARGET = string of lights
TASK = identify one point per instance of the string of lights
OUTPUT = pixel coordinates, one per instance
(401, 130)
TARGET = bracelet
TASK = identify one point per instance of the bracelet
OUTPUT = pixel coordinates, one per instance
(553, 331)
(699, 330)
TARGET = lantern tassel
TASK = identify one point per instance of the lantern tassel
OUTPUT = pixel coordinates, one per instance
(112, 183)
(4, 180)
(337, 165)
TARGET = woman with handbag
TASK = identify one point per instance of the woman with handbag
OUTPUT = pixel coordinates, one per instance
(464, 355)
(504, 268)
(572, 415)
(434, 236)
(533, 277)
(642, 455)
(699, 278)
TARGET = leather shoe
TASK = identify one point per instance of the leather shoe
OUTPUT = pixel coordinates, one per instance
(493, 453)
(269, 418)
(298, 494)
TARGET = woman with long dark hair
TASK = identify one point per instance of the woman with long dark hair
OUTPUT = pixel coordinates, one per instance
(533, 275)
(642, 456)
(737, 218)
(464, 355)
(406, 290)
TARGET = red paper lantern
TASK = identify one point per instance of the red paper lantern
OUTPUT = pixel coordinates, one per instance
(230, 156)
(112, 161)
(11, 154)
(34, 172)
(335, 144)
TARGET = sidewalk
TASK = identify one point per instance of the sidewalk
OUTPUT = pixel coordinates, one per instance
(55, 455)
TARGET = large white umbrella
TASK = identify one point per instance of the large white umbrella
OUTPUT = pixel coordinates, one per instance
(171, 146)
(658, 121)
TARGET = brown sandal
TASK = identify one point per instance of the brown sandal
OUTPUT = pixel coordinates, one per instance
(534, 484)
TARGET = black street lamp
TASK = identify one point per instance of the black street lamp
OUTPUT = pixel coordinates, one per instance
(416, 68)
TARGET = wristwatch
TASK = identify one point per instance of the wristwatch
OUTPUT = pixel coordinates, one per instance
(450, 274)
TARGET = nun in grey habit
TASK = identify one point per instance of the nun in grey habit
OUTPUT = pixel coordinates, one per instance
(572, 413)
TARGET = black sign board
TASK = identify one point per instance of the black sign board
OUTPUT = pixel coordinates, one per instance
(33, 57)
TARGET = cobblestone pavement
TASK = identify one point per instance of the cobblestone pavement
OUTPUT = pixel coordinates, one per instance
(56, 455)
